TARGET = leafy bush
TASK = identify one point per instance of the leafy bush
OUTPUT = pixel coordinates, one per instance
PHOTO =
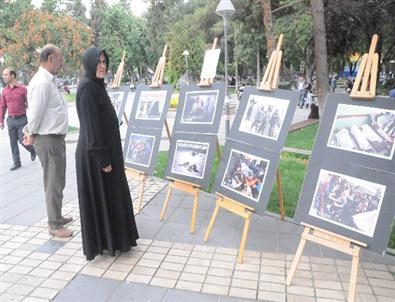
(174, 101)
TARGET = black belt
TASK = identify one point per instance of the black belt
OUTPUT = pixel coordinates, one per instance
(15, 117)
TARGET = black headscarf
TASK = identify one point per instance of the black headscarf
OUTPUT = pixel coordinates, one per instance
(90, 60)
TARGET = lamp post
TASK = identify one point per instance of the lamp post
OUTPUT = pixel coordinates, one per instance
(185, 53)
(225, 9)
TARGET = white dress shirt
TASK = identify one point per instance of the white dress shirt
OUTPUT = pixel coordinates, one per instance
(47, 111)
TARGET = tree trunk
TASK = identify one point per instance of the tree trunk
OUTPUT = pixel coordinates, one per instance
(267, 22)
(320, 51)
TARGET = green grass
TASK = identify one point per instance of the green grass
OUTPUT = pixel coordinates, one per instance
(292, 171)
(70, 98)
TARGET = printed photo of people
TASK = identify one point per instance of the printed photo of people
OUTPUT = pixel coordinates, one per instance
(364, 130)
(245, 174)
(199, 107)
(150, 105)
(190, 158)
(116, 100)
(264, 116)
(347, 201)
(140, 149)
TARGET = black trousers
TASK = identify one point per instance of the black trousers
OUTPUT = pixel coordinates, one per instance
(15, 126)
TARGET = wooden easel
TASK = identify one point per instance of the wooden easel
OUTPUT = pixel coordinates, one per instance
(270, 83)
(334, 241)
(367, 74)
(206, 82)
(157, 80)
(142, 177)
(238, 209)
(117, 80)
(367, 71)
(186, 187)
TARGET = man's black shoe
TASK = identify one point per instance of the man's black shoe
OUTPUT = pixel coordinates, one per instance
(15, 166)
(33, 156)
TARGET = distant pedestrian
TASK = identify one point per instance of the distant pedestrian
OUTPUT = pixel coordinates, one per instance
(302, 90)
(47, 127)
(333, 83)
(14, 98)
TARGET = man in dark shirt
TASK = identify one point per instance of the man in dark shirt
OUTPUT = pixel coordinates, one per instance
(14, 98)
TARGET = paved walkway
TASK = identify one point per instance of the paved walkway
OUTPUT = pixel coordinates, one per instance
(169, 264)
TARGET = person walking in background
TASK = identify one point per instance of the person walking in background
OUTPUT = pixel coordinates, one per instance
(106, 209)
(302, 90)
(333, 83)
(14, 98)
(46, 129)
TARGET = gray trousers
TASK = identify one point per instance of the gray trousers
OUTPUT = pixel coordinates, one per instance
(51, 150)
(15, 126)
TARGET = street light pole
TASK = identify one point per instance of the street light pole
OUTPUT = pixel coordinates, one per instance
(186, 54)
(225, 9)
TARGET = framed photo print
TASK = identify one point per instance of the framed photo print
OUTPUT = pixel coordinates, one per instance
(246, 174)
(150, 106)
(118, 97)
(141, 148)
(263, 118)
(351, 201)
(200, 108)
(190, 158)
(358, 131)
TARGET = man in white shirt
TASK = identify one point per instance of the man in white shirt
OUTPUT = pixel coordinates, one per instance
(46, 129)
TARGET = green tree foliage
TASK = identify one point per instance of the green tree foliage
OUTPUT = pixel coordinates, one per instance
(52, 6)
(121, 31)
(77, 10)
(34, 29)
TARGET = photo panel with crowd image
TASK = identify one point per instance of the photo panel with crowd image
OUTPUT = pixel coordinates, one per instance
(140, 149)
(364, 130)
(347, 201)
(264, 116)
(245, 174)
(190, 158)
(200, 107)
(150, 105)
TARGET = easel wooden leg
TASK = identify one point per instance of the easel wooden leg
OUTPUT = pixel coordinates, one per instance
(162, 213)
(141, 195)
(211, 224)
(354, 273)
(194, 212)
(243, 240)
(298, 254)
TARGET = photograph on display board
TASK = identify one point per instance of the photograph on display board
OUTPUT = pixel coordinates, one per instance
(199, 107)
(245, 174)
(365, 130)
(264, 116)
(190, 158)
(116, 98)
(139, 150)
(150, 105)
(347, 201)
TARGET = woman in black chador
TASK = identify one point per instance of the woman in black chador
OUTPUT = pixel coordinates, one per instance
(107, 219)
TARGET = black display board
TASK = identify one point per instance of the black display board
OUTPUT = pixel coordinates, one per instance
(190, 158)
(118, 97)
(349, 187)
(200, 108)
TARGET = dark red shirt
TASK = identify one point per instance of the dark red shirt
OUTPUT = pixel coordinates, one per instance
(14, 99)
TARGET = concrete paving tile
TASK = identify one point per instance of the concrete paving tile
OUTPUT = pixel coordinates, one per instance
(54, 283)
(115, 275)
(273, 270)
(224, 281)
(148, 228)
(73, 268)
(224, 257)
(179, 252)
(86, 288)
(383, 291)
(195, 269)
(31, 280)
(327, 293)
(243, 293)
(163, 282)
(199, 261)
(161, 243)
(145, 279)
(34, 299)
(215, 289)
(158, 250)
(220, 272)
(187, 285)
(300, 290)
(176, 259)
(302, 281)
(12, 297)
(39, 255)
(50, 265)
(42, 272)
(20, 289)
(271, 296)
(299, 298)
(172, 266)
(181, 295)
(45, 293)
(247, 267)
(246, 275)
(136, 292)
(271, 287)
(172, 231)
(143, 270)
(153, 256)
(328, 284)
(271, 278)
(20, 269)
(222, 264)
(63, 275)
(378, 274)
(384, 299)
(249, 284)
(163, 273)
